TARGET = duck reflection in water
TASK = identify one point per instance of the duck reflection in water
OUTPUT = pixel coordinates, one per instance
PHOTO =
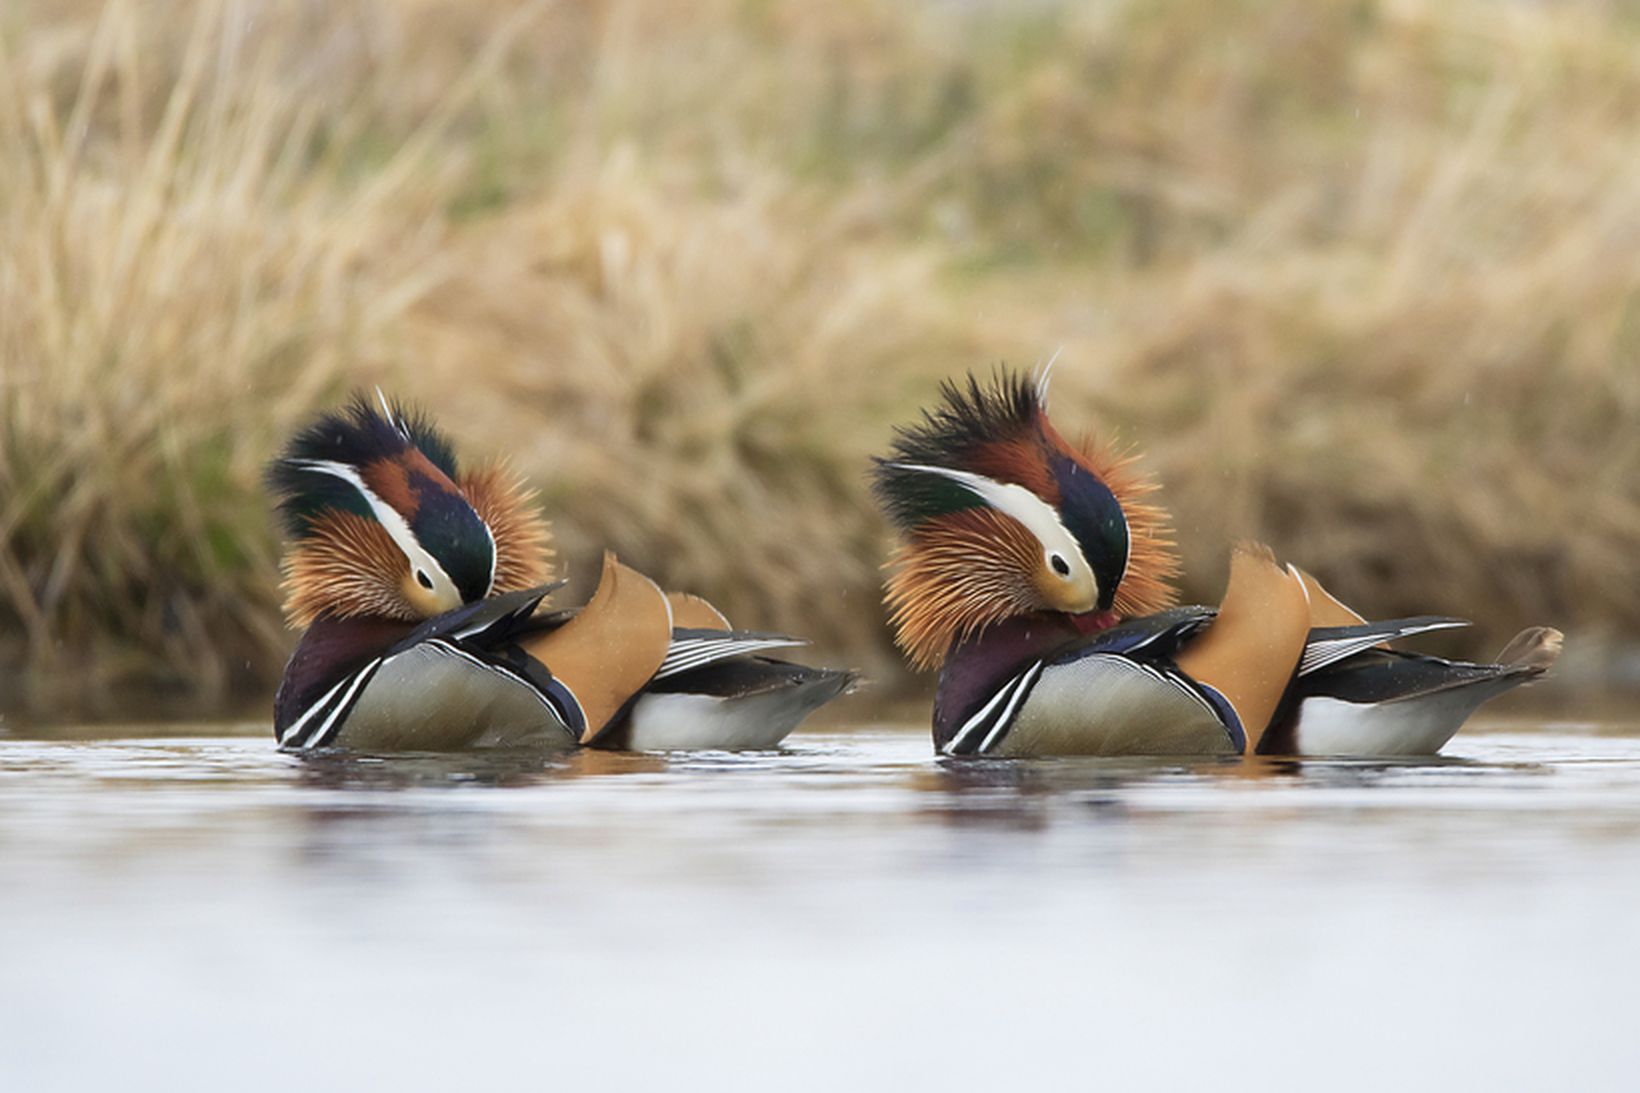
(502, 768)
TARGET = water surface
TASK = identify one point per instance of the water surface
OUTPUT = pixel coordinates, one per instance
(203, 912)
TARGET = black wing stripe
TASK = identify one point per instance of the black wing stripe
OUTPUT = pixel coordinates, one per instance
(1321, 652)
(338, 717)
(289, 738)
(334, 713)
(1178, 682)
(554, 703)
(959, 742)
(688, 654)
(1005, 720)
(978, 727)
(484, 627)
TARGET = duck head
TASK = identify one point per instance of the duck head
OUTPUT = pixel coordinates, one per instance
(382, 522)
(1000, 517)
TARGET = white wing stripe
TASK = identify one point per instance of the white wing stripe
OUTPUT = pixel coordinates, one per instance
(323, 734)
(1319, 654)
(318, 737)
(691, 653)
(447, 649)
(1007, 716)
(295, 729)
(973, 725)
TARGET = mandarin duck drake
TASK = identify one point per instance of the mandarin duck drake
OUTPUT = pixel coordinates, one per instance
(1036, 576)
(416, 585)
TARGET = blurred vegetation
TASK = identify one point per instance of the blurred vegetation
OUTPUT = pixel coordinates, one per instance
(1359, 277)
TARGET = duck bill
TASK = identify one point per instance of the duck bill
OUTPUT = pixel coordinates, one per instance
(1091, 622)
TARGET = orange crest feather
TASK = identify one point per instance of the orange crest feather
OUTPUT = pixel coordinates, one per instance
(960, 570)
(1153, 557)
(523, 540)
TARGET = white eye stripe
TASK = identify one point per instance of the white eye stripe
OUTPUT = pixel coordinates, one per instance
(1127, 548)
(389, 518)
(495, 554)
(1030, 510)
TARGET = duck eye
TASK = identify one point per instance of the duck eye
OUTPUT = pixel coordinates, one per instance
(1060, 565)
(424, 580)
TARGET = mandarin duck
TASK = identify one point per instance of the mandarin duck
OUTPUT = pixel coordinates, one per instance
(416, 585)
(1036, 576)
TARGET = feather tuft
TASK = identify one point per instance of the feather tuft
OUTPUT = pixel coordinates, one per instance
(523, 539)
(347, 566)
(359, 435)
(340, 559)
(1153, 558)
(956, 575)
(987, 428)
(962, 566)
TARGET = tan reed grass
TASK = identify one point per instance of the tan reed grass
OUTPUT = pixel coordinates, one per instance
(1359, 276)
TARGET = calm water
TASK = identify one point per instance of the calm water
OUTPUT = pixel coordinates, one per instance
(207, 913)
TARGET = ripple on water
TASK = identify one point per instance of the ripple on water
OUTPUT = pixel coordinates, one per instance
(848, 910)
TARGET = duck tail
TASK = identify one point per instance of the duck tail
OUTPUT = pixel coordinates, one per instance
(1536, 647)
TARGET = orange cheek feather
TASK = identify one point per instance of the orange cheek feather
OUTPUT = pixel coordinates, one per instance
(958, 574)
(348, 567)
(523, 542)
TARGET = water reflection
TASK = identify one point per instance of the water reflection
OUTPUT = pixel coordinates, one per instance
(849, 889)
(497, 768)
(1017, 793)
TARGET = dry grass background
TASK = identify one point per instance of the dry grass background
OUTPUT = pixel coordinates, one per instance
(1361, 277)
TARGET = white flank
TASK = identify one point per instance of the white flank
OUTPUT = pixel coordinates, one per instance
(673, 722)
(1413, 726)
